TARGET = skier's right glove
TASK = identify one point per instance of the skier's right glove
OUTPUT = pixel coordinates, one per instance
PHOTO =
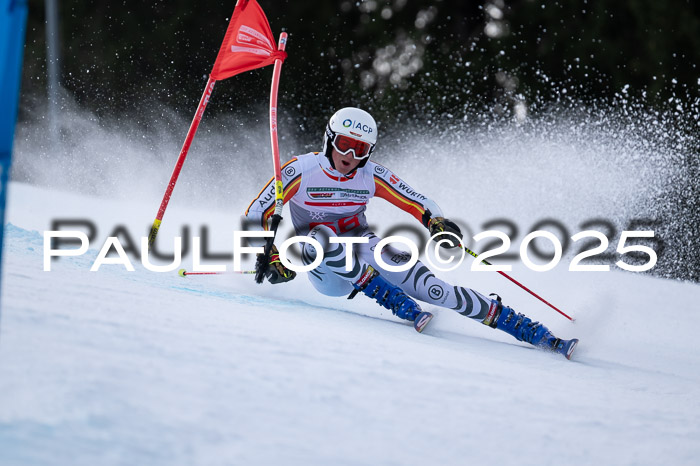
(442, 225)
(274, 270)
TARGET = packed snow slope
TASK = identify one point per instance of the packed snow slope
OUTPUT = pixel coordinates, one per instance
(118, 367)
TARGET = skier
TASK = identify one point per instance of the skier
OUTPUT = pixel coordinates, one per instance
(328, 192)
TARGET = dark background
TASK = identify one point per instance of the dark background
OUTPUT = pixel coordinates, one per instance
(399, 59)
(446, 55)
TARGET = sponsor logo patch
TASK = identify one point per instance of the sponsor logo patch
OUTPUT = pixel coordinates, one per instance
(423, 322)
(399, 258)
(360, 195)
(348, 123)
(251, 41)
(316, 215)
(410, 192)
(436, 292)
(488, 320)
(365, 277)
(268, 197)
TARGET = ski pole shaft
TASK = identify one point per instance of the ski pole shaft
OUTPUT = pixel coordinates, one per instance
(181, 159)
(279, 187)
(519, 284)
(279, 191)
(185, 273)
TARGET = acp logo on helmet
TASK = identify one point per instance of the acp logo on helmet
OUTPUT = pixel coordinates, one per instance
(348, 123)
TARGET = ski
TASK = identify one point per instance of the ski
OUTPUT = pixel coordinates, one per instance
(422, 320)
(566, 347)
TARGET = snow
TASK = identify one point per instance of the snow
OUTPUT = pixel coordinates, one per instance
(117, 367)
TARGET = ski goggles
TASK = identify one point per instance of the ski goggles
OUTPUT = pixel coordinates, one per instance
(344, 144)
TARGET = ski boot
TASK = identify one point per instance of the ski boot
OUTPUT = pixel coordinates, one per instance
(524, 329)
(391, 297)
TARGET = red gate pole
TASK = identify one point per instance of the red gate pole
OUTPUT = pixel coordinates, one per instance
(181, 159)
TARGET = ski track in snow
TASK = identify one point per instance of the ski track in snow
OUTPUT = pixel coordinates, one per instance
(117, 367)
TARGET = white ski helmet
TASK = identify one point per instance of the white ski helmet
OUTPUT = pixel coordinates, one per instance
(353, 123)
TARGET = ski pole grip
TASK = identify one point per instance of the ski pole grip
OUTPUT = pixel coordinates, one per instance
(264, 262)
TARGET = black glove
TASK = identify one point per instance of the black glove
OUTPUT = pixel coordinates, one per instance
(443, 225)
(273, 269)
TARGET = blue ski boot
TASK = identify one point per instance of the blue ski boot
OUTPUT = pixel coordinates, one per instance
(524, 329)
(391, 297)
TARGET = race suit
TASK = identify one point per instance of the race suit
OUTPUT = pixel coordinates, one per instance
(325, 203)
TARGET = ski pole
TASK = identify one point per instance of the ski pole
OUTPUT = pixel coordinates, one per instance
(279, 187)
(184, 273)
(519, 284)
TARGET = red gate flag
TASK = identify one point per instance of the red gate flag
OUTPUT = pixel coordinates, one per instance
(248, 43)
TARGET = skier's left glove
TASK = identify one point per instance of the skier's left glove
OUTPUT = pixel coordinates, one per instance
(274, 270)
(442, 225)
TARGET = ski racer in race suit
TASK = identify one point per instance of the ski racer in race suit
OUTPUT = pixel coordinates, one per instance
(328, 193)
